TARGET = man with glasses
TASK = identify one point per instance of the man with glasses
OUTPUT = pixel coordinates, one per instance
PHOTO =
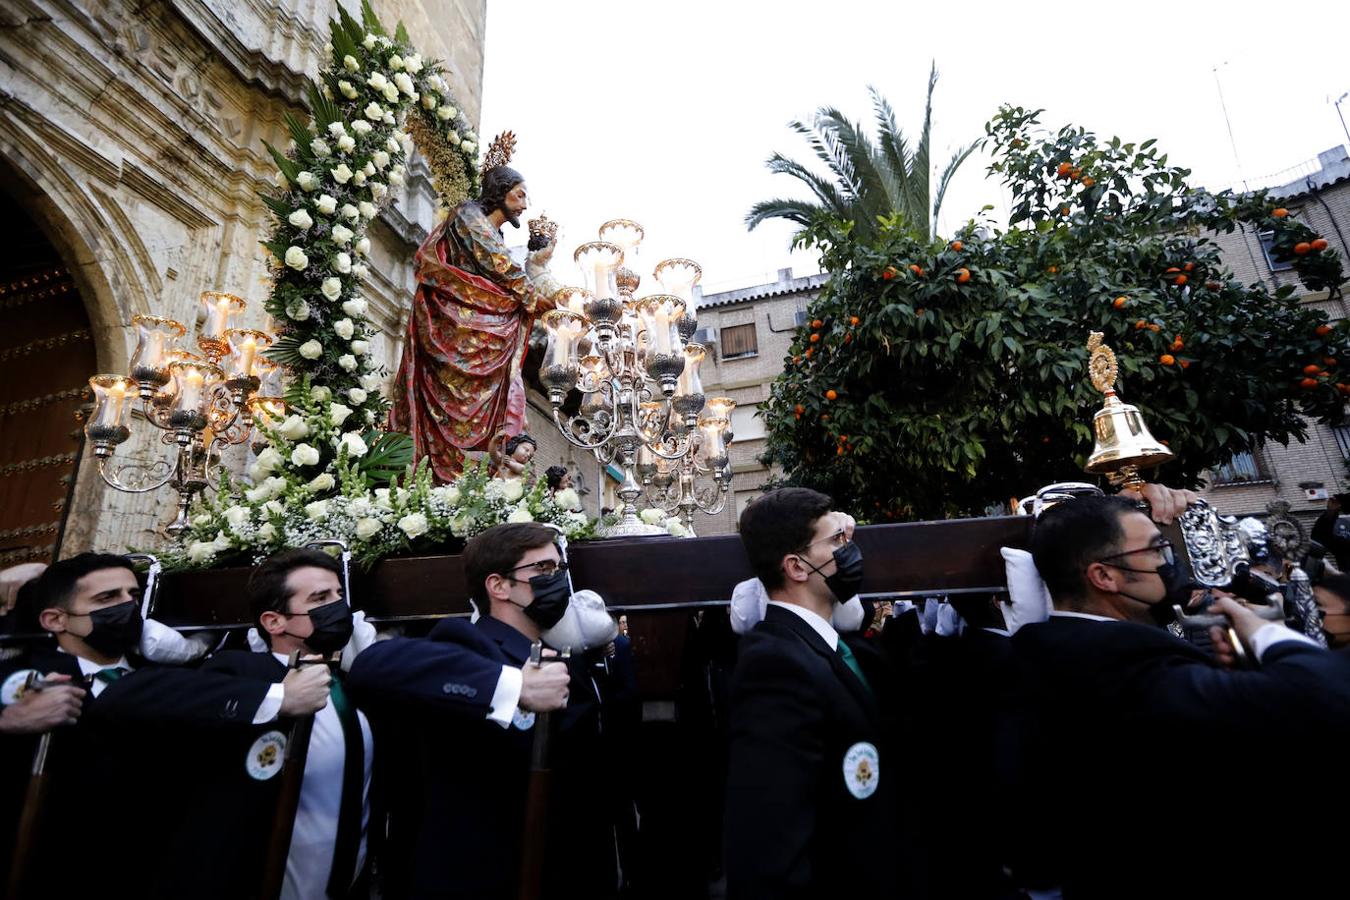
(457, 821)
(1148, 747)
(815, 771)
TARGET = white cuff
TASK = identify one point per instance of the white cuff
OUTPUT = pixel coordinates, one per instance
(271, 705)
(507, 696)
(1268, 636)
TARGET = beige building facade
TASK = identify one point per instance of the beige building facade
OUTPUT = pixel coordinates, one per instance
(131, 157)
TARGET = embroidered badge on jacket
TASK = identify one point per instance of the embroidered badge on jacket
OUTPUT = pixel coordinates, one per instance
(862, 770)
(266, 756)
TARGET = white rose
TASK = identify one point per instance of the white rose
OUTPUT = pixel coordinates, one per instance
(413, 63)
(237, 515)
(652, 516)
(357, 396)
(359, 270)
(368, 43)
(453, 112)
(413, 524)
(382, 499)
(343, 263)
(257, 494)
(512, 489)
(367, 528)
(378, 190)
(341, 174)
(390, 93)
(367, 209)
(405, 83)
(304, 455)
(342, 235)
(350, 212)
(337, 129)
(346, 143)
(368, 168)
(320, 394)
(453, 137)
(300, 219)
(311, 349)
(567, 498)
(361, 126)
(355, 308)
(428, 101)
(294, 428)
(348, 362)
(520, 514)
(355, 446)
(338, 413)
(307, 181)
(392, 145)
(347, 90)
(360, 348)
(267, 460)
(380, 158)
(471, 135)
(201, 520)
(326, 204)
(389, 118)
(460, 526)
(201, 551)
(395, 177)
(395, 62)
(370, 382)
(350, 64)
(446, 113)
(359, 178)
(268, 532)
(323, 482)
(374, 112)
(363, 246)
(469, 147)
(369, 416)
(272, 507)
(296, 258)
(452, 495)
(675, 528)
(331, 287)
(297, 310)
(317, 511)
(377, 81)
(319, 147)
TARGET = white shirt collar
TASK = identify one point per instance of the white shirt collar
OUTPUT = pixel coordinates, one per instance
(1063, 613)
(819, 625)
(89, 668)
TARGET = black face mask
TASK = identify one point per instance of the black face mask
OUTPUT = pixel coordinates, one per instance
(115, 630)
(551, 596)
(848, 572)
(332, 624)
(1176, 592)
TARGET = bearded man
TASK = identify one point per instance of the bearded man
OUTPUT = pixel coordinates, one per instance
(460, 385)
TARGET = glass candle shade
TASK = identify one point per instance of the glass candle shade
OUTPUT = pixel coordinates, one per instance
(624, 232)
(220, 306)
(597, 261)
(660, 316)
(113, 396)
(573, 299)
(688, 399)
(713, 447)
(678, 277)
(652, 420)
(245, 345)
(720, 408)
(193, 382)
(559, 370)
(155, 338)
(593, 371)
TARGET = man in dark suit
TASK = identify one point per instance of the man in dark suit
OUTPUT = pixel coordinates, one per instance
(458, 829)
(111, 771)
(814, 773)
(1151, 748)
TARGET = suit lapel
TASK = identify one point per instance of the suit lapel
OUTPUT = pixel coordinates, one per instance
(816, 643)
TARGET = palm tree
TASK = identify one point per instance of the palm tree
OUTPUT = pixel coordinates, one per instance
(870, 178)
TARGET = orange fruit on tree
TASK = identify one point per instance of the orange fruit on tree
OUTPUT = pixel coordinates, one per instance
(848, 338)
(1319, 245)
(1328, 361)
(1119, 302)
(1302, 248)
(957, 245)
(853, 320)
(1311, 369)
(1189, 267)
(817, 323)
(1172, 270)
(809, 351)
(1064, 169)
(1088, 182)
(888, 274)
(1185, 363)
(1343, 388)
(1063, 210)
(831, 394)
(1308, 383)
(799, 409)
(1178, 344)
(1279, 212)
(1167, 359)
(1180, 280)
(796, 360)
(962, 276)
(1053, 269)
(1323, 330)
(1140, 325)
(815, 337)
(824, 417)
(1212, 285)
(914, 267)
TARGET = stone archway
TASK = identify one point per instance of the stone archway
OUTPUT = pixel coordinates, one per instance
(47, 353)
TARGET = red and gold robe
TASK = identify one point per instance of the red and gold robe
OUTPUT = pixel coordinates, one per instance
(459, 381)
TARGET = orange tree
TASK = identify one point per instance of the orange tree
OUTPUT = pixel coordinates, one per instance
(937, 378)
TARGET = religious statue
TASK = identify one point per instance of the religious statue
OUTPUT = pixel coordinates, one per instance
(515, 456)
(459, 386)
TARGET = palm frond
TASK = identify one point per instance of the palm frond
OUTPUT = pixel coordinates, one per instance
(800, 212)
(826, 192)
(948, 171)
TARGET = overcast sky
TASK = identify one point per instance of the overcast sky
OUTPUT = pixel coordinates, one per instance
(665, 112)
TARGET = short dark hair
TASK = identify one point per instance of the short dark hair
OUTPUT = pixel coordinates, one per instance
(513, 443)
(1339, 584)
(55, 587)
(779, 523)
(1072, 535)
(497, 551)
(267, 591)
(554, 476)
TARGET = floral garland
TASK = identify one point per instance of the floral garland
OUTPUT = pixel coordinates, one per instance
(328, 471)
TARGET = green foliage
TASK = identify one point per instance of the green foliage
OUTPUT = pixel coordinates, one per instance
(956, 391)
(869, 178)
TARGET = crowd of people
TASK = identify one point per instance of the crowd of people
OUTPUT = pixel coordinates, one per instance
(1087, 751)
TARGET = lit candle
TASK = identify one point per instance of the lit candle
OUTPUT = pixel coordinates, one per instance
(191, 395)
(216, 317)
(602, 291)
(247, 350)
(113, 410)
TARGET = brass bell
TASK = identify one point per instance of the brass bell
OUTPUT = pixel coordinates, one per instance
(1123, 442)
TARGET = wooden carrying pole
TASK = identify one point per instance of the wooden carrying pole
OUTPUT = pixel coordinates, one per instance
(30, 818)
